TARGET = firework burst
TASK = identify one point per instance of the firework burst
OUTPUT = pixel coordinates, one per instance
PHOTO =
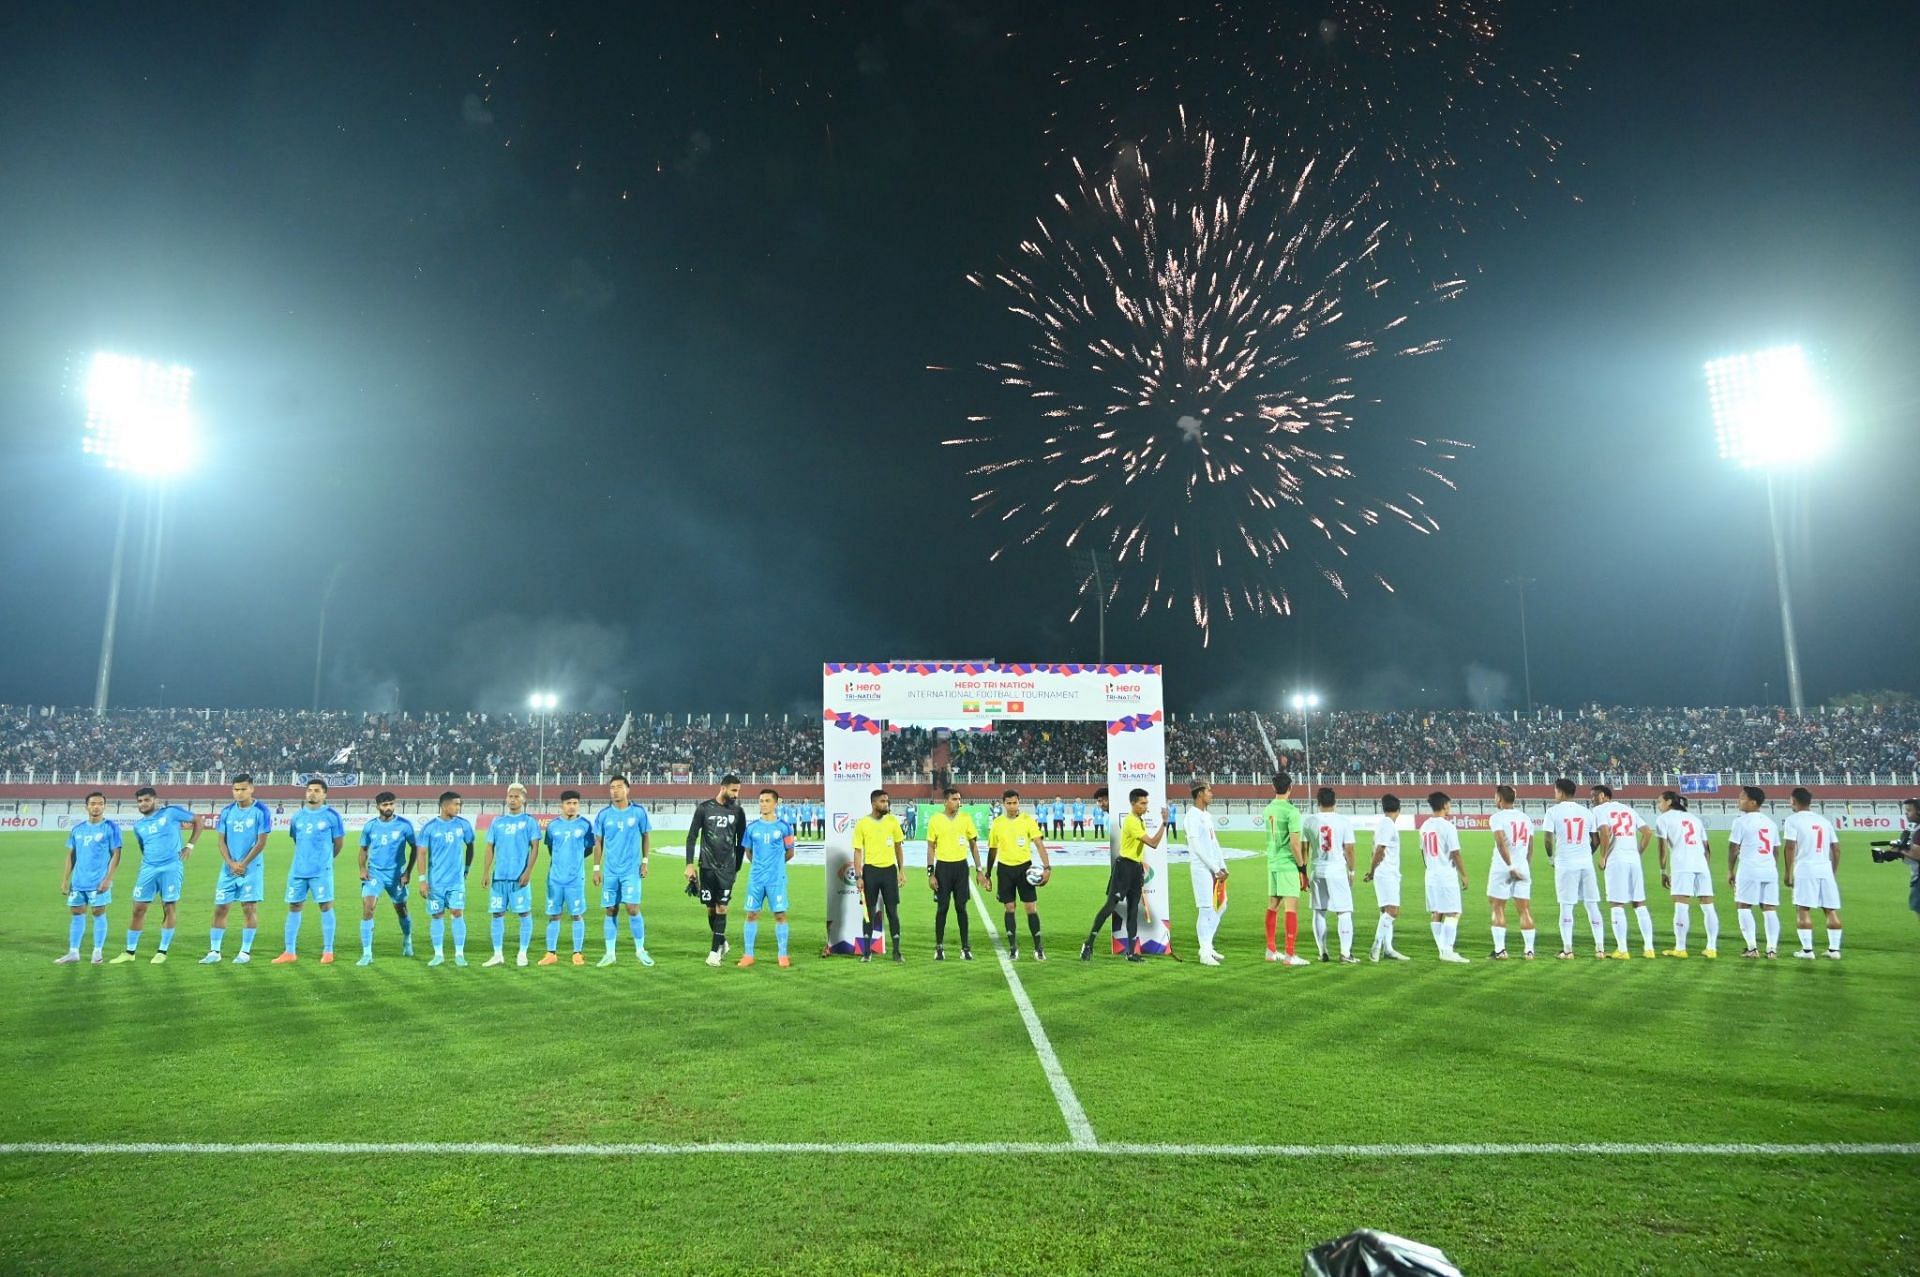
(1186, 402)
(1446, 99)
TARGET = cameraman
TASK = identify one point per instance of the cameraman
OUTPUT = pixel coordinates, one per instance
(1908, 845)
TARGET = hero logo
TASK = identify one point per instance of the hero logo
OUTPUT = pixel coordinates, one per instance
(19, 822)
(1123, 692)
(1129, 769)
(854, 691)
(855, 771)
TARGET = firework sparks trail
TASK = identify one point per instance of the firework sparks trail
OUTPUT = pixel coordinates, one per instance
(1194, 319)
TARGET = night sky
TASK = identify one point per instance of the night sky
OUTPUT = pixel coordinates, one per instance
(592, 353)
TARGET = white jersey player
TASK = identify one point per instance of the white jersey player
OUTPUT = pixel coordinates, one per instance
(1568, 825)
(1753, 870)
(1446, 875)
(1509, 875)
(1384, 874)
(1330, 853)
(1684, 870)
(1623, 844)
(1209, 869)
(1810, 850)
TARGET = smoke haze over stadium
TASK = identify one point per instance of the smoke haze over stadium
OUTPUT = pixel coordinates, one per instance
(591, 351)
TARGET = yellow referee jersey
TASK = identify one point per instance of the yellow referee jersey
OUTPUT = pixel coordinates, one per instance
(1012, 838)
(949, 835)
(875, 839)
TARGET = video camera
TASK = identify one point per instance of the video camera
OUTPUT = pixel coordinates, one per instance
(1886, 850)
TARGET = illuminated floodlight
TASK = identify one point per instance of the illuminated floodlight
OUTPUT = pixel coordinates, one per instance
(138, 418)
(1306, 700)
(1767, 410)
(543, 701)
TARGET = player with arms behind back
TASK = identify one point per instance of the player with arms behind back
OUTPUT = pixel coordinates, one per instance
(769, 846)
(512, 842)
(1753, 870)
(447, 843)
(93, 854)
(1384, 874)
(1286, 875)
(569, 838)
(318, 834)
(242, 827)
(1623, 843)
(1208, 869)
(1685, 871)
(383, 871)
(1329, 838)
(1810, 847)
(1509, 875)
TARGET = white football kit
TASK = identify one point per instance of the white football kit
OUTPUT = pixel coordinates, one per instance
(1686, 838)
(1757, 871)
(1506, 882)
(1386, 876)
(1626, 876)
(1439, 841)
(1813, 837)
(1329, 834)
(1568, 825)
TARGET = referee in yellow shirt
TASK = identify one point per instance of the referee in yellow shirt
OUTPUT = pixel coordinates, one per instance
(1129, 876)
(878, 842)
(1012, 840)
(953, 842)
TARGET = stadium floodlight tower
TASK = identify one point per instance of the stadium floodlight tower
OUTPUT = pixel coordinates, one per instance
(1768, 415)
(138, 423)
(1305, 702)
(543, 704)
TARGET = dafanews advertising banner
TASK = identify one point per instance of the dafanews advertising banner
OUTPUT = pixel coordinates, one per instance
(860, 699)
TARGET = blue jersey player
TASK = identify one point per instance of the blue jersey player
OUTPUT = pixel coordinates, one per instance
(93, 853)
(318, 834)
(623, 838)
(1079, 817)
(165, 836)
(511, 844)
(447, 843)
(768, 847)
(387, 850)
(240, 836)
(569, 839)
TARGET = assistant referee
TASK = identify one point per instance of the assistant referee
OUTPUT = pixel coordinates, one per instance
(953, 843)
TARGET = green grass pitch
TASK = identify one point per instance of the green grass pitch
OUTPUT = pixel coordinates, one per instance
(830, 1051)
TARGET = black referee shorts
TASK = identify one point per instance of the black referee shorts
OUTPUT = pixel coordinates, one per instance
(953, 878)
(1010, 883)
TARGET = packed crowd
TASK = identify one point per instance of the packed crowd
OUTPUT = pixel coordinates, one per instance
(1589, 742)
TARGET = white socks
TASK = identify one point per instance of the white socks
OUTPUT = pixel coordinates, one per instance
(1644, 916)
(1746, 928)
(1680, 924)
(1599, 927)
(1320, 930)
(1440, 936)
(1771, 917)
(1499, 939)
(1526, 938)
(1449, 932)
(1619, 928)
(1713, 925)
(1566, 928)
(1806, 939)
(1346, 935)
(1383, 936)
(1833, 939)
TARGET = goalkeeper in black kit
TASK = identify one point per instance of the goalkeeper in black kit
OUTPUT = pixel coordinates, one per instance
(714, 843)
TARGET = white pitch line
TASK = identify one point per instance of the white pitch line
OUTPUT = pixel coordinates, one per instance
(1275, 1151)
(1078, 1127)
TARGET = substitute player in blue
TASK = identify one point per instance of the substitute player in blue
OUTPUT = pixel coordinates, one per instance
(1079, 818)
(447, 843)
(510, 855)
(165, 837)
(93, 853)
(623, 839)
(768, 847)
(569, 839)
(388, 847)
(241, 832)
(318, 834)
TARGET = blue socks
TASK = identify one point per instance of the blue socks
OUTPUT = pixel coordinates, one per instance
(328, 924)
(638, 925)
(437, 932)
(748, 931)
(246, 938)
(216, 936)
(579, 934)
(166, 938)
(611, 933)
(293, 932)
(780, 935)
(497, 927)
(366, 935)
(406, 926)
(133, 941)
(460, 934)
(526, 931)
(100, 931)
(76, 928)
(553, 934)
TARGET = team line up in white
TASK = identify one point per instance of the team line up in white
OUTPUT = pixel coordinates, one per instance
(1312, 855)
